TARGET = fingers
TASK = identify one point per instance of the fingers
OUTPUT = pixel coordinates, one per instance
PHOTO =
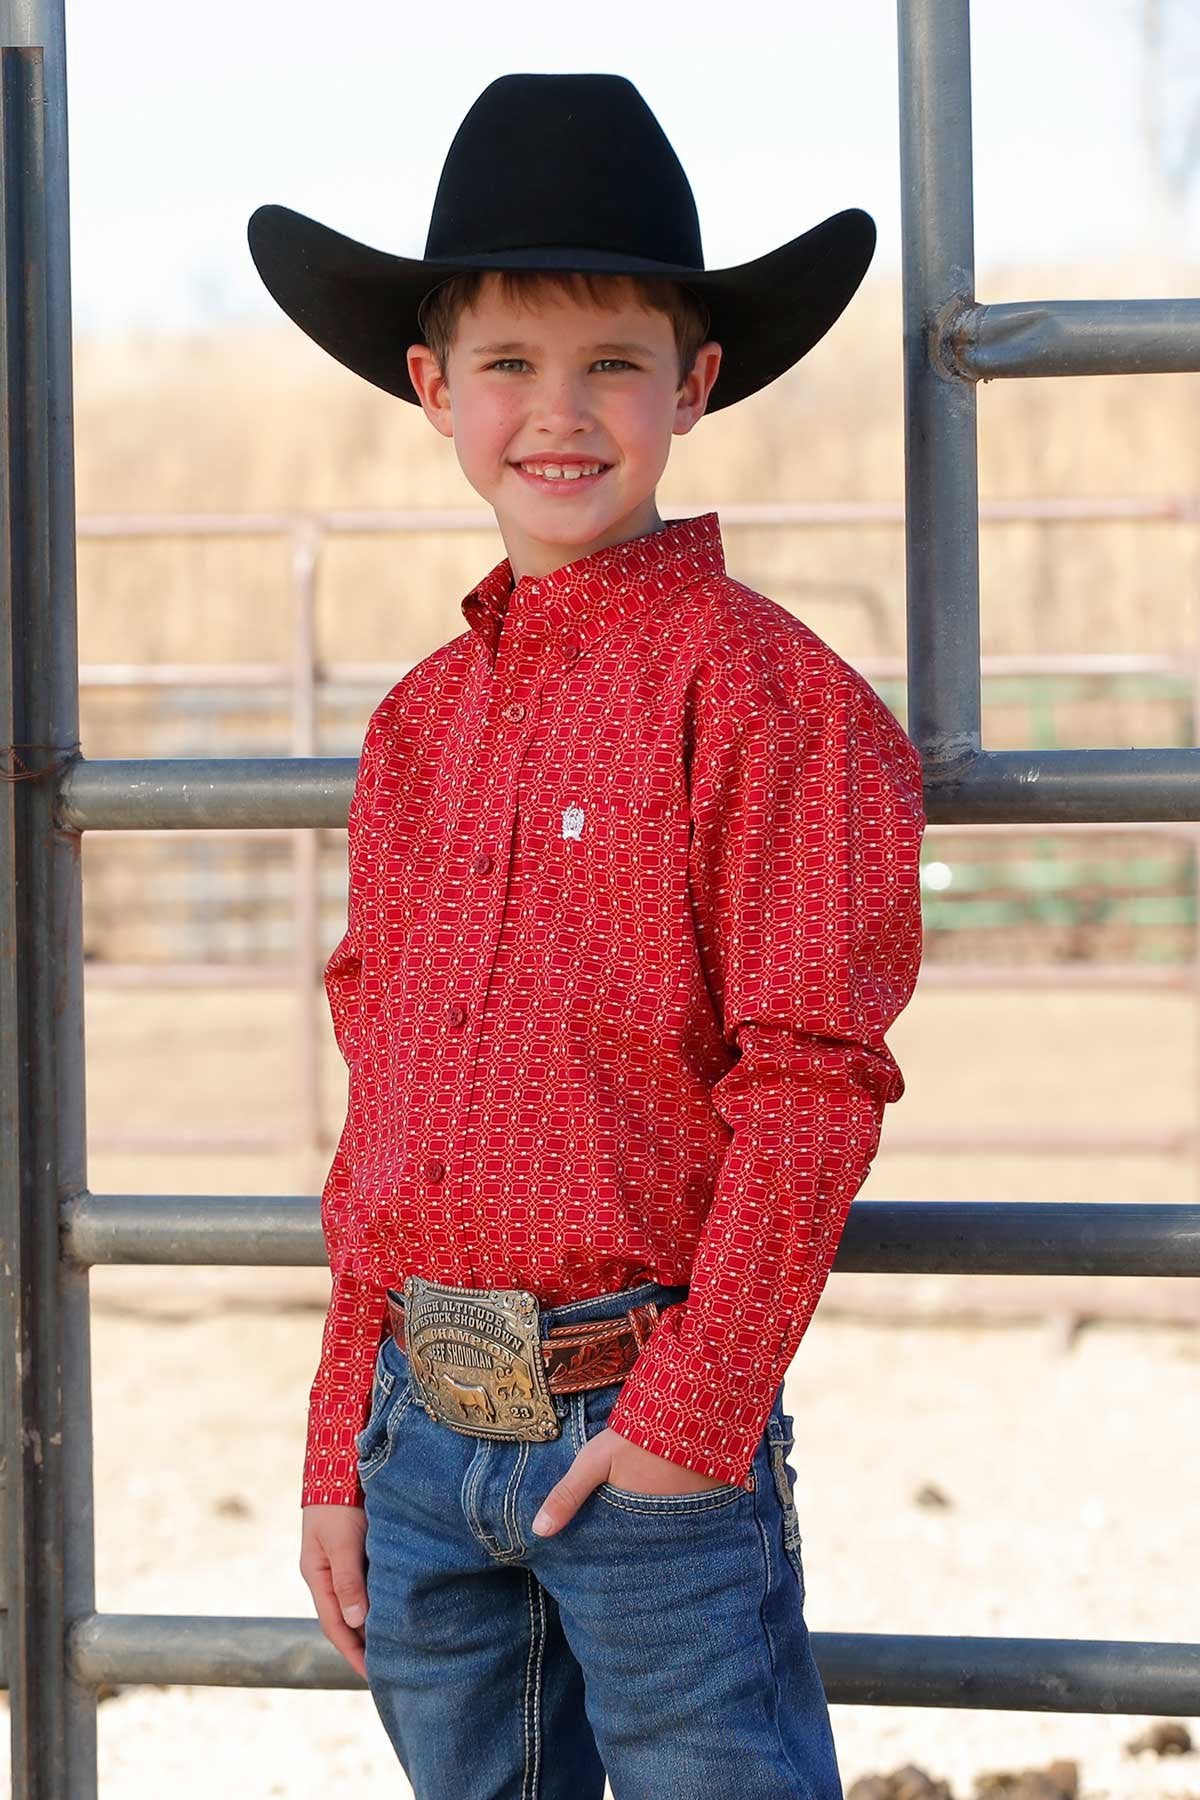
(350, 1642)
(333, 1563)
(348, 1577)
(566, 1496)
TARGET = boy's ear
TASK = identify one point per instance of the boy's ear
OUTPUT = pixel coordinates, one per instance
(692, 397)
(425, 373)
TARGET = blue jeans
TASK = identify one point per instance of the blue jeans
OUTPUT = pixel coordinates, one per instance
(657, 1638)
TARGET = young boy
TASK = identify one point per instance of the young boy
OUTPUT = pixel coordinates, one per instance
(633, 900)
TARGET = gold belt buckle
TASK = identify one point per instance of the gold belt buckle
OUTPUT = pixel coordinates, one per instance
(476, 1358)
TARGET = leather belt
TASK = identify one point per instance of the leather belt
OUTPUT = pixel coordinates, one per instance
(481, 1366)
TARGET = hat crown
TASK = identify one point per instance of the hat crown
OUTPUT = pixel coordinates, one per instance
(564, 161)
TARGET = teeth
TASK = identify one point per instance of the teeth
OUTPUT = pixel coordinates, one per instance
(563, 471)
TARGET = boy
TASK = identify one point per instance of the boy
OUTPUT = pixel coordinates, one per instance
(633, 899)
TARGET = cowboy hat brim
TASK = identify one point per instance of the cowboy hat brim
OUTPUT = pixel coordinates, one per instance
(360, 304)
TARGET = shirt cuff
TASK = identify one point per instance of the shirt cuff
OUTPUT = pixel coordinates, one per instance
(339, 1399)
(331, 1457)
(701, 1414)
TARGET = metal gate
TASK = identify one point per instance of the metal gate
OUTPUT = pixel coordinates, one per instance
(56, 1647)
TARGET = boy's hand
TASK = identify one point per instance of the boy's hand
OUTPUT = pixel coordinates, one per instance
(333, 1564)
(610, 1457)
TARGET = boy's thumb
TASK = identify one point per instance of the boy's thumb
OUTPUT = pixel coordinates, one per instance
(351, 1595)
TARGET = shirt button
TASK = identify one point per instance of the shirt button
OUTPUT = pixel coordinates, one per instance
(435, 1170)
(458, 1014)
(481, 862)
(570, 646)
(514, 711)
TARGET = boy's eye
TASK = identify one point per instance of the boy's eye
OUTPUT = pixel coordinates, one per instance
(510, 362)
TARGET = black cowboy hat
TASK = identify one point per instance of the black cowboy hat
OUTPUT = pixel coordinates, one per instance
(561, 172)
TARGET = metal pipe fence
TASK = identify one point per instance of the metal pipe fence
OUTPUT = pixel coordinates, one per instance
(56, 1648)
(305, 676)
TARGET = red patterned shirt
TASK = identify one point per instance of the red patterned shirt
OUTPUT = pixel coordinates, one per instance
(633, 899)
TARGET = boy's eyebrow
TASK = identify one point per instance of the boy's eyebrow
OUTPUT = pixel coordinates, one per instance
(509, 349)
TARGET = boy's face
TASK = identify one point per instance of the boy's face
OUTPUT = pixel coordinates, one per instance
(529, 382)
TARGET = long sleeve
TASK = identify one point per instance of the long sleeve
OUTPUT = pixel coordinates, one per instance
(355, 1318)
(804, 876)
(343, 971)
(341, 1391)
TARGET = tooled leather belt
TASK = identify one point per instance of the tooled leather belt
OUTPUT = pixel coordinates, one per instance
(480, 1365)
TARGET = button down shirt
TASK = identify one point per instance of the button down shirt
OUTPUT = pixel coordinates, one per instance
(634, 897)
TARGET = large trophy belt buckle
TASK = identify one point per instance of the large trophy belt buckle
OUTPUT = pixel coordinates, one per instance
(475, 1356)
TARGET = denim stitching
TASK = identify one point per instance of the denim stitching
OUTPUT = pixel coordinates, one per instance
(622, 1497)
(533, 1689)
(803, 1791)
(365, 1470)
(779, 1443)
(515, 1549)
(516, 1544)
(382, 1382)
(470, 1483)
(578, 1423)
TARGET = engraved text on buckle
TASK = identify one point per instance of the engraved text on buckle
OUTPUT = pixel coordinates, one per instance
(476, 1358)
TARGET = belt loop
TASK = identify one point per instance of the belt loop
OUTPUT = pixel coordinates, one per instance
(642, 1320)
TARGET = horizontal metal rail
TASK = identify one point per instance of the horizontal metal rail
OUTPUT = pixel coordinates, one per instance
(1054, 786)
(857, 1668)
(974, 1237)
(190, 1650)
(114, 794)
(990, 787)
(1069, 337)
(1002, 1674)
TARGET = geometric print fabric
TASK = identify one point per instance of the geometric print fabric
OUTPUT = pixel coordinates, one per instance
(633, 900)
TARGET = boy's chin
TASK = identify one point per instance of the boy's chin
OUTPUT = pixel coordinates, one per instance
(559, 524)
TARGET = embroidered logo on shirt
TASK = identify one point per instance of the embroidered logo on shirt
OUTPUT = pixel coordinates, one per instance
(572, 821)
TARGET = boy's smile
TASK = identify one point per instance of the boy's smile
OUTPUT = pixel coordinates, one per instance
(562, 413)
(562, 472)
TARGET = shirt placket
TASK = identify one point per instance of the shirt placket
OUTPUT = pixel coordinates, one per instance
(471, 935)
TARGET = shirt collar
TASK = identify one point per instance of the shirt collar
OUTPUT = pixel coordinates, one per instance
(597, 589)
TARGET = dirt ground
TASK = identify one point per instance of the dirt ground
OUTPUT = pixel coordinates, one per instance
(1068, 1466)
(1071, 1478)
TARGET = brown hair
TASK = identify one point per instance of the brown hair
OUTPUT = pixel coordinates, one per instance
(438, 313)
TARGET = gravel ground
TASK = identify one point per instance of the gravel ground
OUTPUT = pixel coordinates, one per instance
(1069, 1472)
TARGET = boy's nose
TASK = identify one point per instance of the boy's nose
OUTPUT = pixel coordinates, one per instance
(561, 405)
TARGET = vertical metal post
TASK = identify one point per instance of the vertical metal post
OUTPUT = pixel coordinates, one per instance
(941, 454)
(44, 1319)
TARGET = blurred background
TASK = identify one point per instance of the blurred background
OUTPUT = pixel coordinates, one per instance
(974, 1455)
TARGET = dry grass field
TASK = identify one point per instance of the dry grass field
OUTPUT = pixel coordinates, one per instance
(1067, 1466)
(267, 420)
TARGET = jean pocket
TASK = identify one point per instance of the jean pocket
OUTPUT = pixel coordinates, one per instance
(375, 1442)
(780, 1440)
(597, 1404)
